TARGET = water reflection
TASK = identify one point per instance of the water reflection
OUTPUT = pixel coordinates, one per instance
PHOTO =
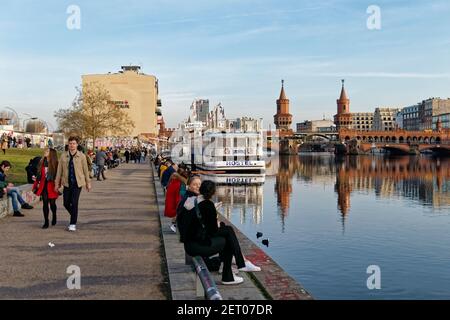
(339, 215)
(422, 179)
(240, 194)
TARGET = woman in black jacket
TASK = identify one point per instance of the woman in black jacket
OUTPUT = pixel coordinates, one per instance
(205, 238)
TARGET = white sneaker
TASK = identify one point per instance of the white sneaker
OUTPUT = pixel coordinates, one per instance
(72, 228)
(234, 270)
(237, 280)
(173, 227)
(250, 267)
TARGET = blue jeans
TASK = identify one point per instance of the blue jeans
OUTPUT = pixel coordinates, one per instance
(14, 193)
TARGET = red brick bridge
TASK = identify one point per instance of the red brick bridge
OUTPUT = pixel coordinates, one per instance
(398, 141)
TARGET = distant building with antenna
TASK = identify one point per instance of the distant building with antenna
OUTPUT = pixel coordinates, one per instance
(134, 92)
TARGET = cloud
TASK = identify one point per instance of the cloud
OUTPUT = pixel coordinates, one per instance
(402, 75)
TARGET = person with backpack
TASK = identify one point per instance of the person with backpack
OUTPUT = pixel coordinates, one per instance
(44, 185)
(32, 169)
(183, 215)
(204, 236)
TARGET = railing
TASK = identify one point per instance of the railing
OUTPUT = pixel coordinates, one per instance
(206, 285)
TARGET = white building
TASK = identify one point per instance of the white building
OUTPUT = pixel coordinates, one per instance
(384, 119)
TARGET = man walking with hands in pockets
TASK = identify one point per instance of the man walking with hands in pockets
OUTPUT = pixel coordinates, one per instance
(73, 174)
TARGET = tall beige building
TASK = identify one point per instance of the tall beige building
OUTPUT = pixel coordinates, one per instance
(134, 92)
(362, 121)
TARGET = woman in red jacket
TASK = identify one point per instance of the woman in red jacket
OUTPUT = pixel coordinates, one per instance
(175, 188)
(44, 184)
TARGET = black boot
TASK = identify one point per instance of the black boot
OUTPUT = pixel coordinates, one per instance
(45, 226)
(18, 214)
(54, 220)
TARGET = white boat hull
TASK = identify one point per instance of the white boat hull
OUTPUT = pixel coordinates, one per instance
(237, 166)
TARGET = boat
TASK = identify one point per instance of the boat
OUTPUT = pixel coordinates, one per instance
(224, 145)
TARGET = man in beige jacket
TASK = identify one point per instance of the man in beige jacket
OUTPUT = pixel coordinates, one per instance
(73, 174)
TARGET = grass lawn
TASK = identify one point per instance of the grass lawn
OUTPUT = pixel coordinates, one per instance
(19, 159)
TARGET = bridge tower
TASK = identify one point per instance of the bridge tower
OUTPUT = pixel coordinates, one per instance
(343, 118)
(283, 119)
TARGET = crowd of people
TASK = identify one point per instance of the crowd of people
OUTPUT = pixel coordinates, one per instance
(195, 217)
(8, 141)
(136, 155)
(73, 170)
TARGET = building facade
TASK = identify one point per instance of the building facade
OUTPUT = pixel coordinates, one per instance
(423, 115)
(431, 108)
(200, 110)
(441, 121)
(316, 126)
(134, 92)
(411, 119)
(399, 119)
(384, 119)
(362, 121)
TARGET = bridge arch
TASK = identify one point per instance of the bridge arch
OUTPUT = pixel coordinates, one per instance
(312, 135)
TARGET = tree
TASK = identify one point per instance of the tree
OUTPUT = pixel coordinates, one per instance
(93, 115)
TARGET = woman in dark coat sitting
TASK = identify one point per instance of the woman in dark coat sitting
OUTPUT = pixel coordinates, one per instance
(205, 237)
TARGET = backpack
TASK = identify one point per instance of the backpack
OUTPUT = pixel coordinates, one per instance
(32, 169)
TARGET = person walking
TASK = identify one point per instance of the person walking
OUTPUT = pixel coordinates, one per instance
(44, 184)
(4, 143)
(73, 174)
(100, 160)
(127, 156)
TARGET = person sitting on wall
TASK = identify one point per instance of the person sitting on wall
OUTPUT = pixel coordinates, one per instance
(11, 190)
(205, 235)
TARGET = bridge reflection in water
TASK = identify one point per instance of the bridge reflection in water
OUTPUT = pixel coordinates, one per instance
(423, 179)
(419, 178)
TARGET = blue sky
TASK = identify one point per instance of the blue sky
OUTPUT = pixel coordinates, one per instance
(229, 51)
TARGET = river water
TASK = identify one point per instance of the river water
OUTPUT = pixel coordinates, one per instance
(328, 219)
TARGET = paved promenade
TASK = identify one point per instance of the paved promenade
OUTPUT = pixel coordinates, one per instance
(117, 245)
